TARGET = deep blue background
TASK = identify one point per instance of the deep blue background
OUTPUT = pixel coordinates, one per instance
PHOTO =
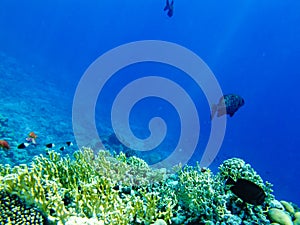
(252, 46)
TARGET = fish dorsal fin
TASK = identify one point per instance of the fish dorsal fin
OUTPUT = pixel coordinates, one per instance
(230, 181)
(214, 109)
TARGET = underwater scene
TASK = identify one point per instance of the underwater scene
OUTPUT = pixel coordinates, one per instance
(149, 112)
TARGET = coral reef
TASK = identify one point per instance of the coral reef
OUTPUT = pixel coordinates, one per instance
(90, 188)
(236, 168)
(87, 187)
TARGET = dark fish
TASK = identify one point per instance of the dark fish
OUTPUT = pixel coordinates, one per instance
(69, 143)
(170, 8)
(228, 104)
(50, 145)
(247, 191)
(23, 145)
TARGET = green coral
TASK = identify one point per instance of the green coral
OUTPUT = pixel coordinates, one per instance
(237, 168)
(201, 195)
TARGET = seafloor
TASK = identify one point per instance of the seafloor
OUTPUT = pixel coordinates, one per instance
(49, 186)
(29, 103)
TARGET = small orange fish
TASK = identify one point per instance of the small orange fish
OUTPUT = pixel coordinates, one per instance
(4, 145)
(32, 135)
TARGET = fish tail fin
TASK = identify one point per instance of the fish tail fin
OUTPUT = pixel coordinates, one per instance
(214, 108)
(170, 13)
(167, 5)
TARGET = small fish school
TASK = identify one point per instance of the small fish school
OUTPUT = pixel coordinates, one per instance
(31, 140)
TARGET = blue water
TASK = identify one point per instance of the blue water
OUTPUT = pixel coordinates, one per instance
(251, 46)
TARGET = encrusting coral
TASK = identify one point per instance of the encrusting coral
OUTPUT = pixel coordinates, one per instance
(104, 189)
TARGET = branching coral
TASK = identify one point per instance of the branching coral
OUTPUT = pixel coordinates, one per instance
(86, 187)
(201, 195)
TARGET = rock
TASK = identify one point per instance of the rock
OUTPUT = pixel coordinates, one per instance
(159, 222)
(297, 222)
(276, 204)
(279, 216)
(297, 218)
(288, 207)
(297, 215)
(74, 220)
(179, 219)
